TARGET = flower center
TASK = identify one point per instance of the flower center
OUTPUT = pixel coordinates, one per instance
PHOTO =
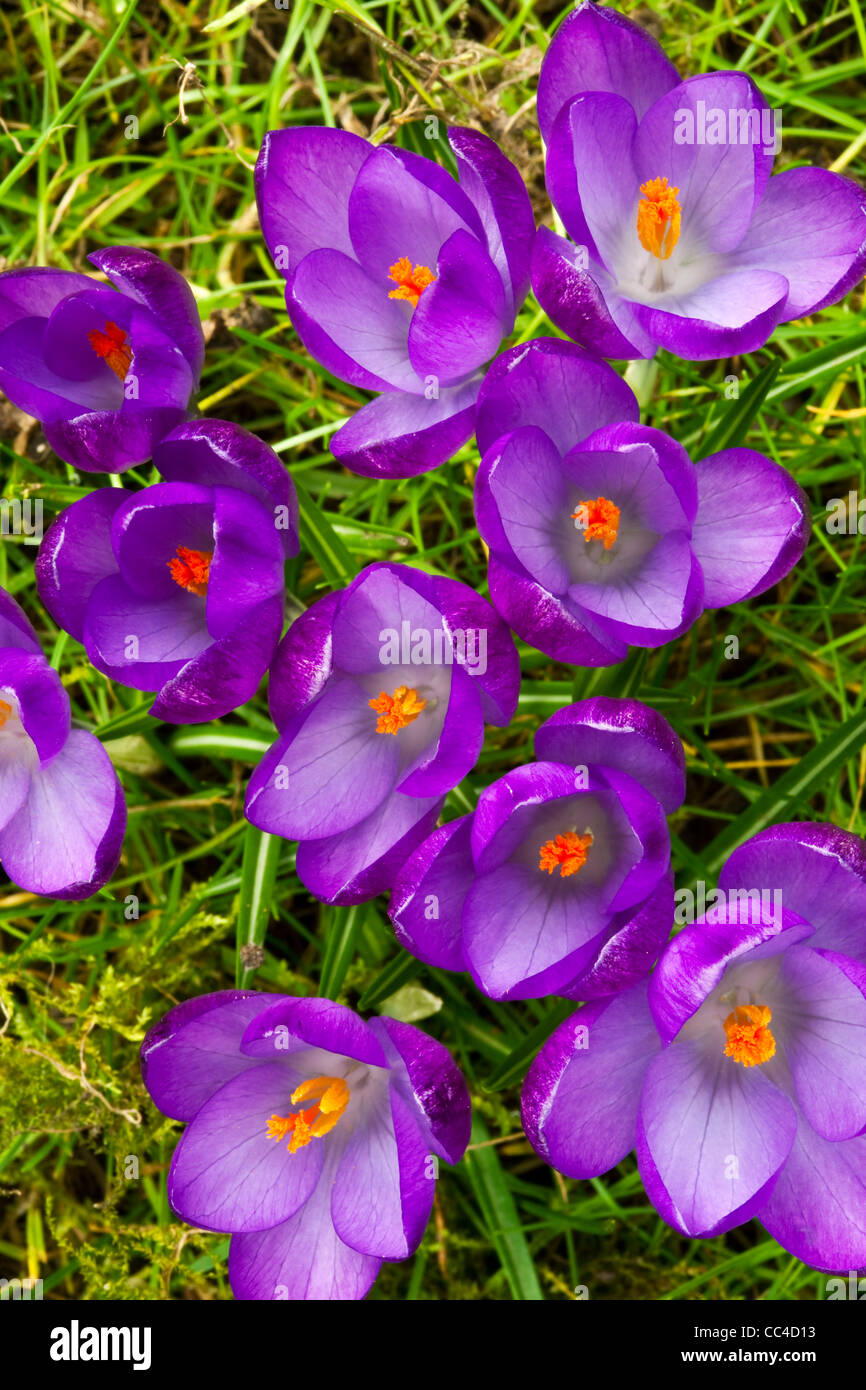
(5, 712)
(598, 519)
(566, 852)
(191, 569)
(658, 218)
(330, 1095)
(749, 1039)
(411, 280)
(397, 710)
(113, 347)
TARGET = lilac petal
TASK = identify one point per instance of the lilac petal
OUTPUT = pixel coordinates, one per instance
(302, 663)
(822, 1028)
(76, 554)
(150, 526)
(168, 633)
(592, 135)
(382, 1197)
(401, 434)
(226, 674)
(570, 293)
(580, 1098)
(312, 1023)
(549, 623)
(329, 773)
(732, 314)
(816, 1209)
(464, 611)
(19, 762)
(362, 862)
(453, 755)
(752, 525)
(426, 906)
(163, 291)
(662, 453)
(248, 565)
(226, 1173)
(36, 291)
(522, 506)
(349, 324)
(16, 629)
(107, 441)
(712, 1138)
(598, 49)
(302, 1259)
(821, 871)
(462, 317)
(304, 176)
(618, 733)
(65, 840)
(430, 1082)
(382, 597)
(43, 704)
(499, 194)
(719, 184)
(556, 386)
(196, 1047)
(397, 209)
(36, 387)
(652, 605)
(218, 452)
(631, 948)
(809, 226)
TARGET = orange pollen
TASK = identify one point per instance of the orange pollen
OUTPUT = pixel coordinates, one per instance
(599, 520)
(5, 711)
(659, 216)
(113, 347)
(411, 280)
(191, 569)
(397, 710)
(566, 852)
(749, 1039)
(330, 1095)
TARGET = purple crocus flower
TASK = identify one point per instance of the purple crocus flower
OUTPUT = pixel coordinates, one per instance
(312, 1136)
(680, 238)
(178, 588)
(380, 693)
(602, 532)
(107, 371)
(739, 1070)
(62, 810)
(559, 883)
(398, 280)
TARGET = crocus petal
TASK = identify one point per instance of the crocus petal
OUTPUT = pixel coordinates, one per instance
(36, 291)
(65, 840)
(302, 663)
(555, 386)
(549, 623)
(108, 441)
(752, 525)
(43, 704)
(653, 605)
(571, 294)
(816, 1209)
(487, 650)
(429, 1080)
(623, 734)
(148, 528)
(734, 313)
(248, 561)
(810, 226)
(598, 50)
(383, 1191)
(426, 906)
(632, 945)
(592, 135)
(163, 291)
(226, 674)
(194, 1049)
(462, 317)
(226, 1173)
(304, 176)
(712, 1138)
(140, 641)
(361, 862)
(15, 770)
(16, 629)
(76, 554)
(453, 755)
(522, 506)
(312, 1023)
(401, 434)
(499, 194)
(823, 1033)
(580, 1098)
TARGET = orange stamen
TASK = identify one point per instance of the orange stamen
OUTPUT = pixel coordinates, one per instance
(566, 852)
(331, 1096)
(749, 1038)
(397, 710)
(411, 280)
(599, 520)
(5, 711)
(659, 216)
(191, 569)
(113, 347)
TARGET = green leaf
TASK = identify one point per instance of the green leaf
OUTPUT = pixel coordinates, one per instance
(213, 741)
(322, 541)
(344, 924)
(513, 1069)
(397, 973)
(499, 1212)
(258, 876)
(736, 418)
